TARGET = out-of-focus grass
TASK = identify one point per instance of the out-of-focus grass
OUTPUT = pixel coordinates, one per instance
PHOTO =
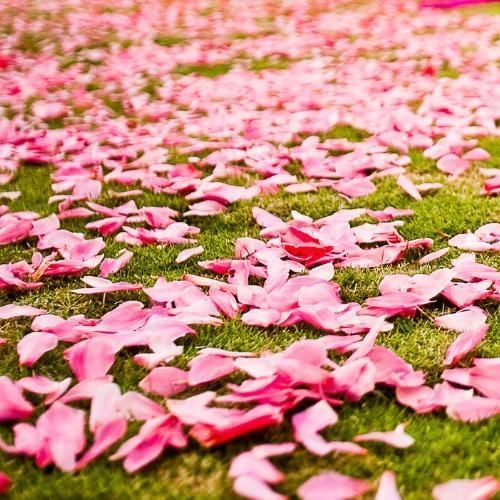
(492, 8)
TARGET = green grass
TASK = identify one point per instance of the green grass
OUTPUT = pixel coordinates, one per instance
(487, 8)
(30, 42)
(444, 449)
(269, 63)
(207, 70)
(169, 40)
(446, 71)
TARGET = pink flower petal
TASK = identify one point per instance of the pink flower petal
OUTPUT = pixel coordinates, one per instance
(338, 486)
(207, 368)
(397, 438)
(5, 483)
(154, 436)
(188, 253)
(13, 406)
(105, 436)
(464, 344)
(407, 185)
(471, 489)
(165, 381)
(470, 319)
(91, 358)
(433, 256)
(14, 311)
(474, 409)
(34, 345)
(308, 423)
(101, 285)
(249, 486)
(63, 429)
(387, 489)
(42, 385)
(111, 266)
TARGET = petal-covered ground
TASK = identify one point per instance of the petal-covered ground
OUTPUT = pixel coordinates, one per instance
(249, 249)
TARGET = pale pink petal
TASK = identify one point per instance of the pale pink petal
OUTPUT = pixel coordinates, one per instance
(261, 317)
(86, 389)
(354, 379)
(308, 423)
(468, 489)
(111, 266)
(273, 450)
(102, 285)
(136, 406)
(63, 428)
(165, 381)
(34, 345)
(207, 368)
(465, 294)
(104, 406)
(10, 195)
(407, 185)
(470, 242)
(325, 272)
(464, 343)
(426, 187)
(42, 385)
(338, 486)
(104, 437)
(248, 464)
(470, 319)
(188, 253)
(477, 154)
(433, 256)
(397, 438)
(224, 301)
(249, 486)
(452, 164)
(14, 311)
(387, 489)
(154, 436)
(474, 409)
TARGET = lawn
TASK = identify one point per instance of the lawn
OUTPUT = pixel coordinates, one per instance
(444, 449)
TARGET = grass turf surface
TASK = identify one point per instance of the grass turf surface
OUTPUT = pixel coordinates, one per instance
(444, 449)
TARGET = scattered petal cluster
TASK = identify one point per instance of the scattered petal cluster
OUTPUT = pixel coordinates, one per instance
(149, 126)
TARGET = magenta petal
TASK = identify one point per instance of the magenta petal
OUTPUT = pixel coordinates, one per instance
(5, 483)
